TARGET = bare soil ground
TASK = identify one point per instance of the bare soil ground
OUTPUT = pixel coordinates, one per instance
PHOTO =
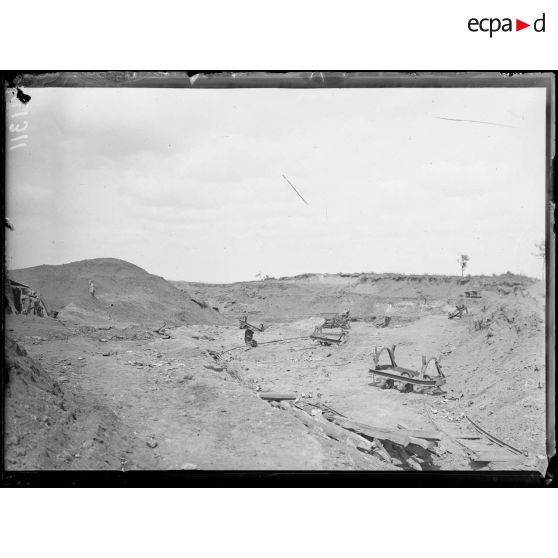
(149, 404)
(120, 396)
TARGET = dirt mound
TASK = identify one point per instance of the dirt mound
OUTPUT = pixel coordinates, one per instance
(500, 370)
(41, 428)
(505, 319)
(365, 295)
(33, 401)
(433, 286)
(124, 293)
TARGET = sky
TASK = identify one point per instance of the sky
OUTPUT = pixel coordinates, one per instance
(187, 183)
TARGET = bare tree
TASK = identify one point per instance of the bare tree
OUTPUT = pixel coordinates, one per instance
(463, 260)
(540, 252)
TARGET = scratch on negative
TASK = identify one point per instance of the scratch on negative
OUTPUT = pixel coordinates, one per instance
(475, 121)
(291, 185)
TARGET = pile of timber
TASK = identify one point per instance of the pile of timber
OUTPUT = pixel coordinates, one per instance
(407, 448)
(22, 299)
(402, 447)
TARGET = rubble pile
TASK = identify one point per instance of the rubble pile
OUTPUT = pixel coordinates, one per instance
(22, 299)
(401, 447)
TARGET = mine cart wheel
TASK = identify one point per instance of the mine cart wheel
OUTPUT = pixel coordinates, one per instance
(428, 378)
(406, 387)
(389, 383)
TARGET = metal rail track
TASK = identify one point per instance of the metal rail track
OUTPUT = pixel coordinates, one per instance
(468, 450)
(494, 439)
(475, 454)
(266, 343)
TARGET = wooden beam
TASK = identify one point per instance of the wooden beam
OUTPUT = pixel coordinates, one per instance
(373, 432)
(278, 396)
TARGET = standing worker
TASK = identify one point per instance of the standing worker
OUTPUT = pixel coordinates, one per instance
(91, 288)
(37, 306)
(31, 297)
(388, 314)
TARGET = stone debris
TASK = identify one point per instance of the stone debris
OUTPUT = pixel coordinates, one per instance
(151, 442)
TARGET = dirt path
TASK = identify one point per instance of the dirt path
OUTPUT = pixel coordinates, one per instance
(171, 412)
(144, 402)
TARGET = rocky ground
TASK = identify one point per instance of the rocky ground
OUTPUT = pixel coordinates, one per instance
(125, 397)
(76, 402)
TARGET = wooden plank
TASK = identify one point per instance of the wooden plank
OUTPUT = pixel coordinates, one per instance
(382, 452)
(333, 431)
(496, 451)
(373, 432)
(465, 436)
(410, 460)
(278, 396)
(426, 434)
(422, 443)
(462, 434)
(419, 451)
(307, 420)
(479, 445)
(340, 434)
(489, 457)
(303, 406)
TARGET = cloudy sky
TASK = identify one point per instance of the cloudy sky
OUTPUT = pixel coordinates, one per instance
(188, 183)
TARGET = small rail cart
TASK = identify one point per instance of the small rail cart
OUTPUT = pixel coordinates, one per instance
(429, 376)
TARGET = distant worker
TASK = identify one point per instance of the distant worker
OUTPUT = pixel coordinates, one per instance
(249, 338)
(344, 320)
(31, 302)
(387, 314)
(25, 302)
(91, 288)
(38, 307)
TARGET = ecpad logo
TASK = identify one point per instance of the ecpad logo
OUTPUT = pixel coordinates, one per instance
(494, 24)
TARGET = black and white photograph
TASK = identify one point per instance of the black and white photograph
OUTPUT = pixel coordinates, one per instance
(297, 271)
